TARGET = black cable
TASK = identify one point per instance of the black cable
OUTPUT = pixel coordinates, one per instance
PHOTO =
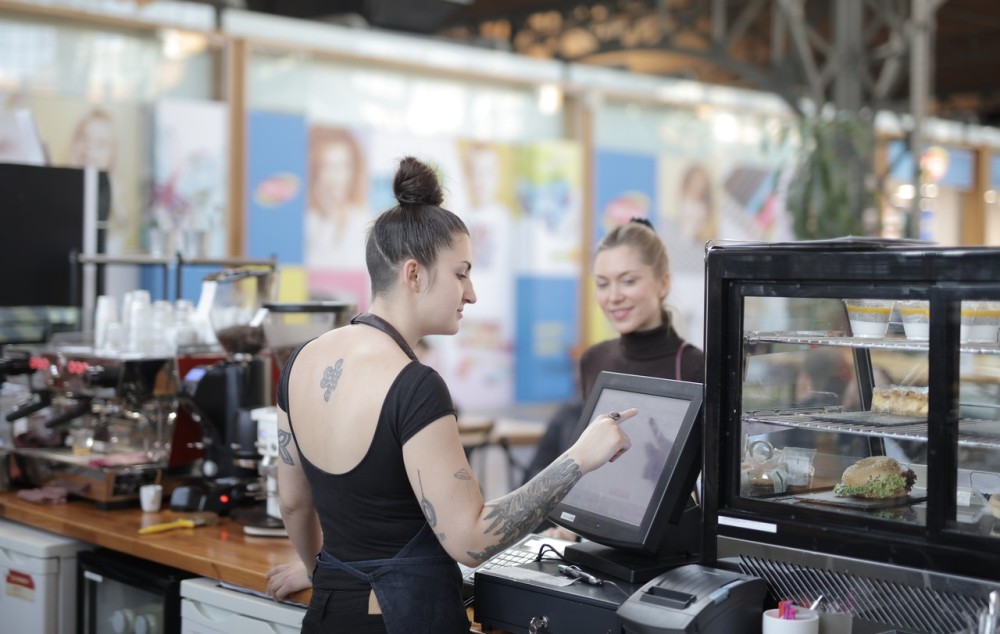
(545, 548)
(617, 587)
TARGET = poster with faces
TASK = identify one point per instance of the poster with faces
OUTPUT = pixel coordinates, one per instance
(338, 209)
(109, 137)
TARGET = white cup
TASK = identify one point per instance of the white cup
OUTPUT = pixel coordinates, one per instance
(805, 622)
(151, 497)
(979, 322)
(105, 312)
(869, 317)
(113, 335)
(121, 621)
(916, 316)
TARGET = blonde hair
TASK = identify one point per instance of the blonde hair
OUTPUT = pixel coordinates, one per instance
(641, 235)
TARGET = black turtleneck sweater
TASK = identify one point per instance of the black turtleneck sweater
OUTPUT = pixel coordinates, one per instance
(647, 353)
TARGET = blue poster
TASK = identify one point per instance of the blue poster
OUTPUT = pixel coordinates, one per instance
(547, 330)
(947, 166)
(624, 188)
(276, 176)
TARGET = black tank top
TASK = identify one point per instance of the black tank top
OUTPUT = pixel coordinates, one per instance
(370, 511)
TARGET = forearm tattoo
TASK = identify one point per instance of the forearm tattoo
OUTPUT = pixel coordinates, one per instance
(428, 508)
(330, 377)
(283, 439)
(523, 509)
(464, 475)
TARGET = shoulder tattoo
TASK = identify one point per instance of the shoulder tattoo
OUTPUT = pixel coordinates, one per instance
(330, 377)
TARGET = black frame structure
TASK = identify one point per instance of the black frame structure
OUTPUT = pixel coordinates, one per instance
(844, 269)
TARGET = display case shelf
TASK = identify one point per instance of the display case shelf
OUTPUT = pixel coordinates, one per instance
(870, 343)
(972, 432)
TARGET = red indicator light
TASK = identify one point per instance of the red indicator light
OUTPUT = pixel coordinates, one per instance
(77, 367)
(224, 498)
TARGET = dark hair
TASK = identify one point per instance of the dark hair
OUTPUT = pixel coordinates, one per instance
(415, 228)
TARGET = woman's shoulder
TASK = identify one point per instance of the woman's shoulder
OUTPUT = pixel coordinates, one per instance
(599, 348)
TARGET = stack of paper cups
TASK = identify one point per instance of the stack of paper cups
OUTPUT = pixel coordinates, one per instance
(105, 313)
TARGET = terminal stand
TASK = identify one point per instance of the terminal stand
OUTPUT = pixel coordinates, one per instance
(680, 541)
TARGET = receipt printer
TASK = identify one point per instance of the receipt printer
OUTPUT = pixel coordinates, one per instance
(698, 599)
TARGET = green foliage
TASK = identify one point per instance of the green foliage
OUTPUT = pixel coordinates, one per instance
(833, 184)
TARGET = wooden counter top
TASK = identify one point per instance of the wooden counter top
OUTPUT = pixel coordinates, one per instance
(222, 552)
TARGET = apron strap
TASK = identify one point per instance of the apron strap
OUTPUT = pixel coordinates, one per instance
(376, 322)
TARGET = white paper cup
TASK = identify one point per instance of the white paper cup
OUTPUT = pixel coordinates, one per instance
(151, 497)
(105, 312)
(869, 317)
(916, 316)
(980, 322)
(805, 622)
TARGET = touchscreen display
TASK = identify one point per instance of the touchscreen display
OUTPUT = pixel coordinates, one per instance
(622, 490)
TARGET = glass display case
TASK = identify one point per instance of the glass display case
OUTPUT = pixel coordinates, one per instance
(852, 420)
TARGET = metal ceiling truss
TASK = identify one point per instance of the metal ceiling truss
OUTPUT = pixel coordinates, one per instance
(853, 53)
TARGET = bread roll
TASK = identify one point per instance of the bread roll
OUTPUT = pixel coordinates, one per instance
(876, 477)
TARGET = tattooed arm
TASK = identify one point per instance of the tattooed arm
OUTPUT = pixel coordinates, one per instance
(295, 497)
(472, 530)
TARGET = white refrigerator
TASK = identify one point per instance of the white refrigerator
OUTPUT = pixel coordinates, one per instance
(39, 576)
(208, 608)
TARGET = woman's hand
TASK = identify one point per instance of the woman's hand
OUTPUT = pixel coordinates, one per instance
(286, 579)
(602, 441)
(558, 532)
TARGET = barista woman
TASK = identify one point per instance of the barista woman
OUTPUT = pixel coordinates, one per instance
(372, 474)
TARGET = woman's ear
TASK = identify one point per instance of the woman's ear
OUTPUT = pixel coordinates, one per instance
(664, 286)
(414, 275)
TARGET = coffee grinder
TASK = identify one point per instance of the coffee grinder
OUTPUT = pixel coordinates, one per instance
(286, 326)
(221, 396)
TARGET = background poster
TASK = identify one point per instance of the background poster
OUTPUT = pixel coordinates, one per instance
(688, 217)
(276, 169)
(189, 199)
(624, 188)
(484, 199)
(337, 199)
(19, 140)
(547, 332)
(110, 137)
(549, 229)
(348, 286)
(477, 363)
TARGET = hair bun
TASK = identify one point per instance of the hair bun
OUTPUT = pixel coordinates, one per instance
(416, 184)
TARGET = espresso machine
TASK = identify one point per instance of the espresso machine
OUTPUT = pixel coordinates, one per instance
(220, 396)
(100, 425)
(286, 325)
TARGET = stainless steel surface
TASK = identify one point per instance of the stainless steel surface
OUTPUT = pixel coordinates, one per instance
(871, 592)
(129, 405)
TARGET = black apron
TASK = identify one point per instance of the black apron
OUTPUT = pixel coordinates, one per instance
(419, 588)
